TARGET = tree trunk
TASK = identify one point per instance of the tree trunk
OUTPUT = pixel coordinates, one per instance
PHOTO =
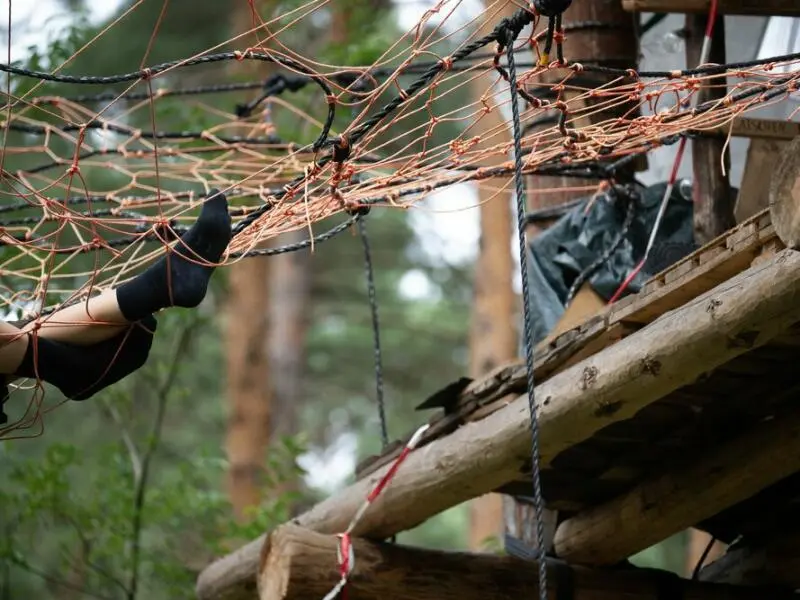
(246, 344)
(493, 335)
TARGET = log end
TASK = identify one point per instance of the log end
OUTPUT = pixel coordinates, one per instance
(784, 196)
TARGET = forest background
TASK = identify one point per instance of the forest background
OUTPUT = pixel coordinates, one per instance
(261, 402)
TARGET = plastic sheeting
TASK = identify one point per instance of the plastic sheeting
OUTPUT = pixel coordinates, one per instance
(558, 255)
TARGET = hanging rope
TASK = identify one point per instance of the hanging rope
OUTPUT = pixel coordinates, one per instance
(512, 29)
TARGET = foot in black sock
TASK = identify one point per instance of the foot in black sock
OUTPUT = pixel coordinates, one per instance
(179, 278)
(79, 372)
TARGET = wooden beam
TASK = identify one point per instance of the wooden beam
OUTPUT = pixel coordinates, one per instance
(298, 564)
(773, 561)
(784, 196)
(711, 190)
(610, 386)
(669, 503)
(768, 8)
(766, 129)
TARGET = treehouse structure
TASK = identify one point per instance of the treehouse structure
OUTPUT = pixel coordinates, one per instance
(675, 407)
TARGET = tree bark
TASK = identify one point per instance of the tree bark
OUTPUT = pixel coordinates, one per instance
(784, 196)
(667, 504)
(484, 455)
(299, 564)
(248, 385)
(289, 304)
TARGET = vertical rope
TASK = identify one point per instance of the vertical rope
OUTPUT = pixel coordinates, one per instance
(376, 335)
(519, 185)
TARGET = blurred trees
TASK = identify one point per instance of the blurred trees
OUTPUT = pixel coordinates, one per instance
(71, 507)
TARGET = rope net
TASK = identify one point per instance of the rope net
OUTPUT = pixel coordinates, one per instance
(96, 186)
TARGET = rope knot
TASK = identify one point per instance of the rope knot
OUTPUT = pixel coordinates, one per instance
(341, 149)
(511, 27)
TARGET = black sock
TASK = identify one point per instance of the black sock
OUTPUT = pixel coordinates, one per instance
(79, 372)
(177, 279)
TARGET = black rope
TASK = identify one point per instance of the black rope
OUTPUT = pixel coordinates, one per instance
(376, 334)
(150, 72)
(511, 32)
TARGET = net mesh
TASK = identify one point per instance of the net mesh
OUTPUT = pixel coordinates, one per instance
(96, 186)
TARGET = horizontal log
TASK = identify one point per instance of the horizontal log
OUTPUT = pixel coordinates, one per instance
(667, 504)
(769, 8)
(613, 385)
(772, 561)
(299, 564)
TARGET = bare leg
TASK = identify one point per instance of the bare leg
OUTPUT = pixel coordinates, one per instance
(84, 323)
(179, 278)
(13, 344)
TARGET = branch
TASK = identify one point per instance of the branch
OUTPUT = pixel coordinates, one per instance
(140, 490)
(133, 452)
(56, 581)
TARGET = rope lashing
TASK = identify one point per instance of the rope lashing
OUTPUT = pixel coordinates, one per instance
(552, 9)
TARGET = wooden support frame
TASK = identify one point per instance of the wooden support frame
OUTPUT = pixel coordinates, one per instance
(664, 505)
(768, 8)
(612, 385)
(298, 564)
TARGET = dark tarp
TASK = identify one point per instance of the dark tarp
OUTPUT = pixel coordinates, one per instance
(575, 242)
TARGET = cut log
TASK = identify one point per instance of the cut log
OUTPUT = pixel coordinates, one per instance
(299, 564)
(784, 196)
(775, 561)
(610, 386)
(767, 8)
(667, 504)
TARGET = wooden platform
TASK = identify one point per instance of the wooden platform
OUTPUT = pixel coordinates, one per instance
(787, 8)
(756, 386)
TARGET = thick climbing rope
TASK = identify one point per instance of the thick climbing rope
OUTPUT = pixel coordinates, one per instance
(511, 30)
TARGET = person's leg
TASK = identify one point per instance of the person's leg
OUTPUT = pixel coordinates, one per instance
(86, 347)
(13, 344)
(179, 278)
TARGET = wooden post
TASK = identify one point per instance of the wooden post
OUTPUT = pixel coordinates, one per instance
(298, 564)
(784, 196)
(484, 455)
(618, 40)
(711, 190)
(672, 502)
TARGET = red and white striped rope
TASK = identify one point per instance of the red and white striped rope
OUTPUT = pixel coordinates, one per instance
(345, 554)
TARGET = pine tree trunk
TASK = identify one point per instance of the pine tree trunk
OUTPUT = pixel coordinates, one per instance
(246, 349)
(493, 337)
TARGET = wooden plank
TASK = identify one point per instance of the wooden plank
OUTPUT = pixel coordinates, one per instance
(758, 129)
(768, 8)
(761, 161)
(784, 196)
